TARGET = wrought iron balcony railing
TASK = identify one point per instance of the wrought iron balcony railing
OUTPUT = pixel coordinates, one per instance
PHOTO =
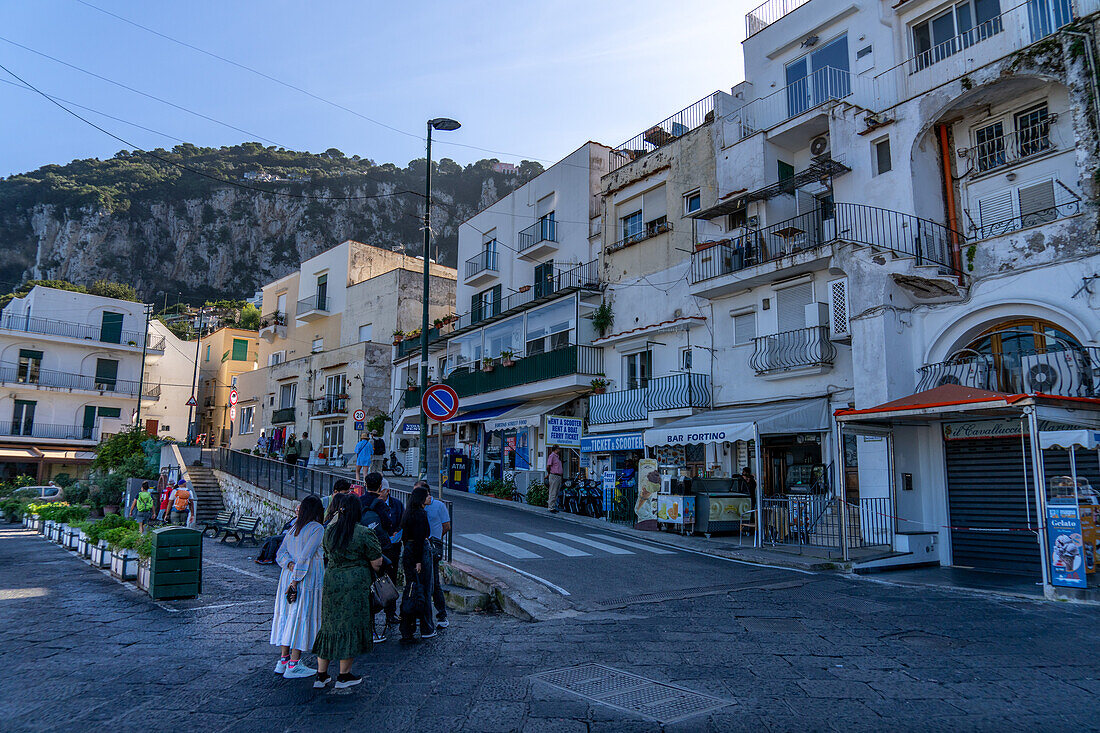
(25, 429)
(35, 377)
(565, 278)
(329, 406)
(482, 261)
(543, 230)
(769, 12)
(1060, 203)
(272, 319)
(801, 348)
(283, 415)
(650, 230)
(664, 132)
(1065, 371)
(672, 392)
(1000, 150)
(49, 326)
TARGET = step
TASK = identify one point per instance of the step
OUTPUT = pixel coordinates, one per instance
(466, 600)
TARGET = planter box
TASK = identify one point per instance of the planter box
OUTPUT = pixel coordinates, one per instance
(44, 527)
(101, 555)
(143, 575)
(124, 564)
(26, 521)
(72, 536)
(82, 545)
(36, 524)
(59, 533)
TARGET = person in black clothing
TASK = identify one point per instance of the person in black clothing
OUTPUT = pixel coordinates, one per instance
(749, 481)
(417, 563)
(373, 501)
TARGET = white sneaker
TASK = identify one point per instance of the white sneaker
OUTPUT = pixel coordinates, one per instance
(280, 666)
(442, 623)
(298, 670)
(428, 636)
(379, 638)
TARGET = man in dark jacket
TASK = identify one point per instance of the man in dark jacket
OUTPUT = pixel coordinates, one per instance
(388, 510)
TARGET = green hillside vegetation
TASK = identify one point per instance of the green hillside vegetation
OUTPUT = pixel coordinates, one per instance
(104, 288)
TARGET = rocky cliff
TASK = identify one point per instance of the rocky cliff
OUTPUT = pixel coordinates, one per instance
(231, 220)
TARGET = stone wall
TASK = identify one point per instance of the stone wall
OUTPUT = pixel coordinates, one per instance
(241, 497)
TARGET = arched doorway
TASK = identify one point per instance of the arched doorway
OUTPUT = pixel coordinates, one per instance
(1030, 355)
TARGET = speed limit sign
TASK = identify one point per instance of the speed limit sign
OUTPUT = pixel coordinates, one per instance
(359, 416)
(232, 397)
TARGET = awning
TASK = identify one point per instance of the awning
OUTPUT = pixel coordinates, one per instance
(1086, 439)
(19, 454)
(742, 423)
(68, 456)
(527, 415)
(482, 414)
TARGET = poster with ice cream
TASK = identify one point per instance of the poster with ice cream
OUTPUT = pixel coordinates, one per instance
(1066, 546)
(649, 484)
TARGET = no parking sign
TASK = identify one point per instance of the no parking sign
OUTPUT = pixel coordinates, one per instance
(440, 402)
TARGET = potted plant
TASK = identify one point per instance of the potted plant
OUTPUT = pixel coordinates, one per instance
(602, 318)
(397, 336)
(486, 365)
(413, 334)
(506, 357)
(144, 550)
(599, 385)
(410, 385)
(437, 324)
(82, 548)
(524, 288)
(124, 558)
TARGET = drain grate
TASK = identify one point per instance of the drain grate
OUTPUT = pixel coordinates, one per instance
(631, 693)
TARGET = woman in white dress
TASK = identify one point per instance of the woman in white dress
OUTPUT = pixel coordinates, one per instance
(296, 622)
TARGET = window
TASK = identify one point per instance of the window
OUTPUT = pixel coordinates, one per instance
(322, 291)
(318, 344)
(738, 219)
(881, 149)
(548, 230)
(744, 327)
(1006, 349)
(332, 438)
(30, 366)
(550, 327)
(685, 359)
(1010, 209)
(631, 225)
(248, 415)
(692, 202)
(817, 77)
(110, 330)
(1032, 131)
(954, 29)
(489, 254)
(365, 332)
(22, 419)
(106, 374)
(240, 349)
(336, 386)
(989, 146)
(637, 369)
(280, 303)
(1037, 204)
(784, 171)
(277, 357)
(485, 304)
(288, 394)
(208, 352)
(544, 279)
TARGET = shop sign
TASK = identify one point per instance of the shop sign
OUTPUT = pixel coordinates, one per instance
(563, 431)
(673, 509)
(1066, 547)
(608, 490)
(649, 484)
(611, 443)
(410, 428)
(982, 429)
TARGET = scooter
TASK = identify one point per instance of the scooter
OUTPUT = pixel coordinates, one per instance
(393, 465)
(570, 496)
(591, 498)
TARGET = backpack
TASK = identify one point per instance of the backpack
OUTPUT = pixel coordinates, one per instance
(372, 521)
(144, 501)
(183, 496)
(379, 447)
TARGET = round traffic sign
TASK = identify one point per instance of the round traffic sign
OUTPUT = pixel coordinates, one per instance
(359, 416)
(232, 397)
(439, 402)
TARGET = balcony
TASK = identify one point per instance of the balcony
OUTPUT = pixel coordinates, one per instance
(585, 361)
(674, 392)
(282, 415)
(273, 326)
(793, 353)
(329, 407)
(412, 346)
(541, 238)
(34, 378)
(1060, 203)
(47, 431)
(808, 94)
(482, 267)
(1069, 371)
(312, 308)
(651, 230)
(766, 14)
(82, 331)
(803, 244)
(663, 132)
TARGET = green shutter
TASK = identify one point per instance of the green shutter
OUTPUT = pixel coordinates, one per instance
(240, 349)
(106, 372)
(30, 354)
(110, 330)
(110, 412)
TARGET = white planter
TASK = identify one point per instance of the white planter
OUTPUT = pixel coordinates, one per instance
(124, 564)
(72, 536)
(26, 521)
(143, 575)
(60, 533)
(44, 527)
(82, 547)
(101, 555)
(36, 524)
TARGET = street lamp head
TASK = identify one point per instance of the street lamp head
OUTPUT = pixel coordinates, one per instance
(444, 123)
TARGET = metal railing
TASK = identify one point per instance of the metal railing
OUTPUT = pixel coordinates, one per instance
(329, 406)
(49, 326)
(650, 230)
(20, 429)
(672, 392)
(926, 241)
(1067, 372)
(871, 522)
(313, 303)
(1063, 204)
(790, 350)
(826, 84)
(412, 345)
(282, 415)
(1002, 150)
(294, 481)
(564, 278)
(272, 319)
(809, 520)
(482, 261)
(15, 374)
(664, 132)
(760, 18)
(543, 230)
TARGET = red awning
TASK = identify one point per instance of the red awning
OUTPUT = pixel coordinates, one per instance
(950, 398)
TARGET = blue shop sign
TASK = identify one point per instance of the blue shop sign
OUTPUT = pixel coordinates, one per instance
(611, 442)
(1066, 547)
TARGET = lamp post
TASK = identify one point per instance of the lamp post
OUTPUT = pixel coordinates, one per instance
(446, 125)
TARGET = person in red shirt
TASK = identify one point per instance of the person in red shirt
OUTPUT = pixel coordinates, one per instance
(553, 478)
(164, 496)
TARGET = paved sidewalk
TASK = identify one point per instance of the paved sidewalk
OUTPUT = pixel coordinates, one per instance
(85, 652)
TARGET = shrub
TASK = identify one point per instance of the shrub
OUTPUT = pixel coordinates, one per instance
(75, 514)
(98, 530)
(55, 511)
(77, 493)
(496, 487)
(538, 494)
(144, 546)
(114, 536)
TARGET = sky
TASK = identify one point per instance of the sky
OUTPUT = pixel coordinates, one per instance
(527, 80)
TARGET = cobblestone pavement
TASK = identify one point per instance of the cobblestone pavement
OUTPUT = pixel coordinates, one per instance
(84, 652)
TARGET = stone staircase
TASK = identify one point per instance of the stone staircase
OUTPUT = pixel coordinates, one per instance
(208, 493)
(927, 282)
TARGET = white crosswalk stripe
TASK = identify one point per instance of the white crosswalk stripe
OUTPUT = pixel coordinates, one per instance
(636, 545)
(553, 545)
(506, 547)
(592, 543)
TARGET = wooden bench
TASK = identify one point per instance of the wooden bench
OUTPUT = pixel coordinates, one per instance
(218, 523)
(244, 529)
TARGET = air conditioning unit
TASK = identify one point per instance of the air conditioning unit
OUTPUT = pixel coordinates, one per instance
(819, 146)
(1063, 373)
(467, 433)
(966, 374)
(839, 327)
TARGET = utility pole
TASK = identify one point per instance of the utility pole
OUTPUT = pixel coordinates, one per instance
(192, 409)
(148, 308)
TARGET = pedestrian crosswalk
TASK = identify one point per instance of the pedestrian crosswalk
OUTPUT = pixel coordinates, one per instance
(535, 546)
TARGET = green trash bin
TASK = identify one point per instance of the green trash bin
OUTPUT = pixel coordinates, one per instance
(175, 567)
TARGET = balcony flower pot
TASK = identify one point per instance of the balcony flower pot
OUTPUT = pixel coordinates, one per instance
(487, 368)
(124, 564)
(524, 288)
(599, 390)
(101, 555)
(143, 574)
(508, 362)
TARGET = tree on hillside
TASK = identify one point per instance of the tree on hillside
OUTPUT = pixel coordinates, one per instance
(108, 289)
(250, 317)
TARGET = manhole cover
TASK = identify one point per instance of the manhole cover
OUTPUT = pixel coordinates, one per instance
(774, 625)
(631, 693)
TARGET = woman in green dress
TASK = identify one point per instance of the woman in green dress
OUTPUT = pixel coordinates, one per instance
(351, 553)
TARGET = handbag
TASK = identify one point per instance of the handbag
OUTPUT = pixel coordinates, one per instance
(383, 592)
(291, 593)
(413, 605)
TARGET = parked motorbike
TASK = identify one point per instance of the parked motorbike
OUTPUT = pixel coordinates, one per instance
(591, 494)
(393, 465)
(570, 496)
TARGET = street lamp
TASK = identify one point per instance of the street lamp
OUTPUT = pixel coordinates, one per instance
(446, 125)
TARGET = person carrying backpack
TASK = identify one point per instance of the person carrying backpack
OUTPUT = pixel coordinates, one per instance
(379, 446)
(372, 520)
(142, 506)
(377, 505)
(181, 503)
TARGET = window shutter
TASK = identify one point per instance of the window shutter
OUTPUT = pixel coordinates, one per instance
(995, 208)
(106, 373)
(654, 205)
(1037, 204)
(240, 349)
(791, 306)
(838, 309)
(744, 328)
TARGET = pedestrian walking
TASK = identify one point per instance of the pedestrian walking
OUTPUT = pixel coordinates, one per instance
(162, 514)
(439, 524)
(379, 452)
(142, 506)
(351, 556)
(416, 560)
(340, 486)
(181, 503)
(364, 453)
(553, 478)
(298, 602)
(389, 511)
(291, 457)
(305, 448)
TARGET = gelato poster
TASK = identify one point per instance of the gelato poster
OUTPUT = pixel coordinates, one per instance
(1066, 547)
(649, 484)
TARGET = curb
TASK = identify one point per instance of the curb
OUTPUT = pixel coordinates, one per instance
(502, 595)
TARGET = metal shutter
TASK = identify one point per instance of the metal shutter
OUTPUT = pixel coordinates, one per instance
(1037, 204)
(791, 306)
(744, 328)
(995, 208)
(654, 204)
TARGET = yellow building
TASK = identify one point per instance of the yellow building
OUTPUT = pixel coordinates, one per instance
(223, 356)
